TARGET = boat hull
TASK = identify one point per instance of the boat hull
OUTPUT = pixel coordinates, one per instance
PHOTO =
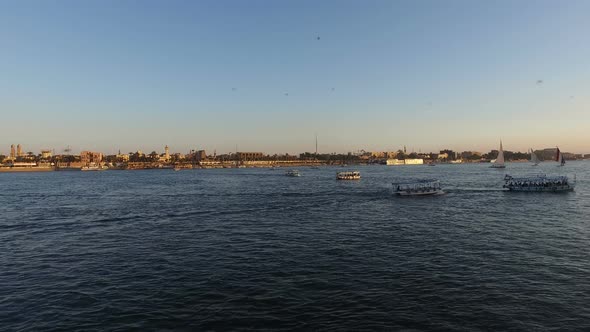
(553, 189)
(425, 193)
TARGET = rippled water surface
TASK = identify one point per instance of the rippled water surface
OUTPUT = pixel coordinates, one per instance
(254, 249)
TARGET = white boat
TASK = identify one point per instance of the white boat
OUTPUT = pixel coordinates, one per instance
(418, 188)
(92, 168)
(293, 173)
(354, 175)
(534, 159)
(499, 162)
(559, 158)
(539, 183)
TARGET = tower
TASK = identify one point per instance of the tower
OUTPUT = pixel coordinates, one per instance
(19, 150)
(166, 153)
(12, 152)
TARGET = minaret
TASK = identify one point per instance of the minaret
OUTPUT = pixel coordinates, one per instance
(166, 153)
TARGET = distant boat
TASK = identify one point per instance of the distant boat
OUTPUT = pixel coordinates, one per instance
(293, 173)
(534, 159)
(354, 175)
(419, 188)
(499, 162)
(559, 158)
(92, 168)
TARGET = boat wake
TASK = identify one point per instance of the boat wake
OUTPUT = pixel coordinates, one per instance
(456, 190)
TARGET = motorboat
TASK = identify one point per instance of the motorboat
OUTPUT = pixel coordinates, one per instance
(293, 173)
(418, 188)
(354, 175)
(539, 183)
(93, 168)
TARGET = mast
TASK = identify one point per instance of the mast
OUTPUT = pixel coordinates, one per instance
(316, 145)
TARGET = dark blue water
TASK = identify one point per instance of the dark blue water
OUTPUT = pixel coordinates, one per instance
(254, 249)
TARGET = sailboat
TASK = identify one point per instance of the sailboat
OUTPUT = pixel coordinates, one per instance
(559, 158)
(499, 162)
(534, 159)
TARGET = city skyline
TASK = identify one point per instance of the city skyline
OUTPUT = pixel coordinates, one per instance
(269, 76)
(21, 150)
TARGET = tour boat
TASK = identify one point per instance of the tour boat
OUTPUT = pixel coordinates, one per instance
(534, 159)
(559, 158)
(499, 162)
(293, 173)
(355, 175)
(539, 183)
(418, 188)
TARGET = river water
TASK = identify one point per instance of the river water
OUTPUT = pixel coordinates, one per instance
(252, 249)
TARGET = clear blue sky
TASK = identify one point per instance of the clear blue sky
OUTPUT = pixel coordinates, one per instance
(109, 75)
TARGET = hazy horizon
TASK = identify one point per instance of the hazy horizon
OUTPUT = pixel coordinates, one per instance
(268, 76)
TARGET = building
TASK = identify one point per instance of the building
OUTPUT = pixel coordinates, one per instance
(19, 151)
(249, 155)
(447, 155)
(90, 157)
(46, 154)
(382, 155)
(166, 153)
(122, 157)
(12, 152)
(200, 155)
(547, 154)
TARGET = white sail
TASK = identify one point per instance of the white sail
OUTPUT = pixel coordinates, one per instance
(534, 159)
(499, 162)
(500, 159)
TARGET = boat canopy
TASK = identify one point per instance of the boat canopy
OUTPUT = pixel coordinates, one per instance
(417, 185)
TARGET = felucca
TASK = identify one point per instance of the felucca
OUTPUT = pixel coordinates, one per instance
(499, 162)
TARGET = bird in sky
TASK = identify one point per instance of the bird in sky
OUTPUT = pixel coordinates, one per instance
(539, 81)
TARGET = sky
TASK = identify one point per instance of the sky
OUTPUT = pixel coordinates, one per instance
(270, 75)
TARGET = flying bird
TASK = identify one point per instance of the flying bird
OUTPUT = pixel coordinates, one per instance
(539, 81)
(318, 37)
